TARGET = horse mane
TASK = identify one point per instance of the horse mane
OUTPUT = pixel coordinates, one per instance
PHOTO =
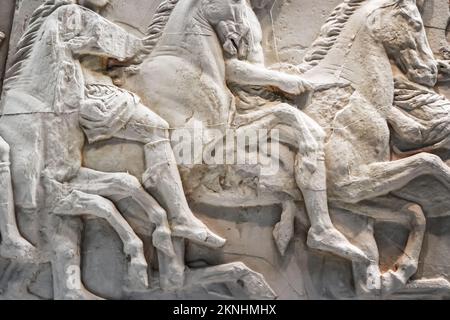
(26, 42)
(158, 24)
(330, 32)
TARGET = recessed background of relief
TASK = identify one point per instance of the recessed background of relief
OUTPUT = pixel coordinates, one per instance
(289, 28)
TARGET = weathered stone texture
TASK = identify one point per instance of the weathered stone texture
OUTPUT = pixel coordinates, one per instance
(364, 129)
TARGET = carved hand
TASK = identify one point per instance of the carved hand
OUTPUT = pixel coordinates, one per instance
(294, 85)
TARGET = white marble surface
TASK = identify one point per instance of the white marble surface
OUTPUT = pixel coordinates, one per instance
(240, 204)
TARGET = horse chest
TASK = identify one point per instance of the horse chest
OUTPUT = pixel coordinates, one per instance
(64, 143)
(364, 131)
(180, 91)
(354, 126)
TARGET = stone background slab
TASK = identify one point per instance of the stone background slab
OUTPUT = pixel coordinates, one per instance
(289, 29)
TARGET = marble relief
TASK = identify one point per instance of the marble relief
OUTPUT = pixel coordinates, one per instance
(225, 149)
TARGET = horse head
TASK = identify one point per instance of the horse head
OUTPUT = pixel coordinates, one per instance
(60, 32)
(228, 19)
(399, 27)
(87, 33)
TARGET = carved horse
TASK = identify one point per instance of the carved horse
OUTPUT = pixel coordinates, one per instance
(350, 65)
(364, 174)
(43, 94)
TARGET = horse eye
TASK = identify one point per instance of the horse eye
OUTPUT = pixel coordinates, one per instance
(416, 24)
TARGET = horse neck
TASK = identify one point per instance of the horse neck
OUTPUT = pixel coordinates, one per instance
(183, 13)
(357, 58)
(51, 74)
(188, 32)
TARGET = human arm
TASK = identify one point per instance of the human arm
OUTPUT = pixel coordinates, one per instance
(245, 73)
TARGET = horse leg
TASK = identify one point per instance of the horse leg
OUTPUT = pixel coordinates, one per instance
(67, 284)
(307, 138)
(284, 230)
(162, 178)
(310, 175)
(122, 185)
(398, 210)
(367, 275)
(172, 268)
(382, 178)
(253, 283)
(118, 186)
(406, 266)
(13, 245)
(15, 281)
(81, 204)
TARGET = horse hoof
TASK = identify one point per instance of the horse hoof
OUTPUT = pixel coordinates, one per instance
(174, 278)
(202, 236)
(391, 282)
(257, 287)
(283, 237)
(137, 274)
(334, 242)
(80, 294)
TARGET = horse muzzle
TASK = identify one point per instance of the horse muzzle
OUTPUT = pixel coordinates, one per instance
(426, 76)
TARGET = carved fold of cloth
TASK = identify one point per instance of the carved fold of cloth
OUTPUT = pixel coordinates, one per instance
(429, 113)
(106, 110)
